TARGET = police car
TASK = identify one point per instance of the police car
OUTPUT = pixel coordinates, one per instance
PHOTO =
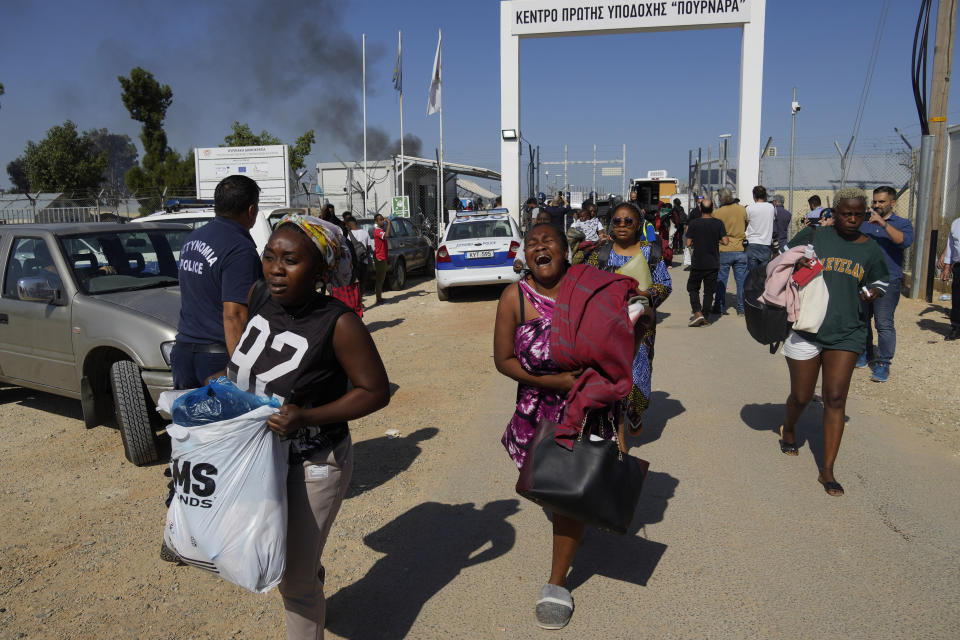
(478, 248)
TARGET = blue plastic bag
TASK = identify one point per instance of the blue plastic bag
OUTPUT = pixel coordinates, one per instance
(219, 400)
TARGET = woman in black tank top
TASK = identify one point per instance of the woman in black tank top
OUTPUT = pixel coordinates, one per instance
(302, 347)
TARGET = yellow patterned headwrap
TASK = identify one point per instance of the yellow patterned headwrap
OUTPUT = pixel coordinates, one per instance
(328, 239)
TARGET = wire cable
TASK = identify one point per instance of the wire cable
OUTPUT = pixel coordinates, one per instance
(868, 80)
(918, 64)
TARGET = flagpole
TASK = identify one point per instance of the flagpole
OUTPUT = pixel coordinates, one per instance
(365, 181)
(400, 52)
(440, 75)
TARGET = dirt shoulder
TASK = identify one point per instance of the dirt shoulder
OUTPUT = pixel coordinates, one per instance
(922, 388)
(433, 543)
(82, 526)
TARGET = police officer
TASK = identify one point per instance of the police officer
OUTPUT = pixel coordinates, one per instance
(218, 266)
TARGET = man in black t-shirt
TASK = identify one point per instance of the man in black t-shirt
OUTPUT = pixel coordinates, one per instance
(704, 235)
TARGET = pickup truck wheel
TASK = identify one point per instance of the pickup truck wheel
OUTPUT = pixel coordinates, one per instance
(133, 413)
(442, 294)
(399, 277)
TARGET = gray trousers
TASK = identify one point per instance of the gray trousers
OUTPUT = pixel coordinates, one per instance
(315, 490)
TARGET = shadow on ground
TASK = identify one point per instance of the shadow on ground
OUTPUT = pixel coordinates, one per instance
(66, 407)
(627, 558)
(662, 409)
(940, 328)
(426, 548)
(392, 297)
(808, 431)
(383, 324)
(475, 294)
(379, 459)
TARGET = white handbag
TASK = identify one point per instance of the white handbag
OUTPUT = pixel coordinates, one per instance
(814, 299)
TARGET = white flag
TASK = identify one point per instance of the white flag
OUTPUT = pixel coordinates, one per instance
(433, 105)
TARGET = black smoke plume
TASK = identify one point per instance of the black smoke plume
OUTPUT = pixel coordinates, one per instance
(289, 53)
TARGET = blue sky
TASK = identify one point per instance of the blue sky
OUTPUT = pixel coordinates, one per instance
(286, 66)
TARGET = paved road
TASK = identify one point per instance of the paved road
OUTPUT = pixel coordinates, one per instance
(733, 539)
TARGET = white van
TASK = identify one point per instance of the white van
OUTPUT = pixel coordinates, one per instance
(196, 218)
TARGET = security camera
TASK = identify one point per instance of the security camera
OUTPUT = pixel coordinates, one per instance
(794, 107)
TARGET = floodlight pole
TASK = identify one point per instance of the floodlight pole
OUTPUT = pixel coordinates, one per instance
(843, 161)
(793, 139)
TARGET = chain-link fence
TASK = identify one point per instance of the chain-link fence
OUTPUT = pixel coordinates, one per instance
(822, 175)
(46, 208)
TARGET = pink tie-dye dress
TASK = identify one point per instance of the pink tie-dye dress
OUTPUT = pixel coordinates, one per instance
(531, 344)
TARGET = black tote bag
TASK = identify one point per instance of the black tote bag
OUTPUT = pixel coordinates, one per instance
(595, 482)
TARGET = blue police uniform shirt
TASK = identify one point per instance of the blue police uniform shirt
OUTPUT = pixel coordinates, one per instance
(218, 263)
(892, 251)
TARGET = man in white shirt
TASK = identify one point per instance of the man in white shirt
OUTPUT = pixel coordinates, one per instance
(760, 216)
(950, 261)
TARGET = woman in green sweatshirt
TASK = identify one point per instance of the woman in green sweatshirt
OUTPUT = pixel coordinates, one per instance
(854, 269)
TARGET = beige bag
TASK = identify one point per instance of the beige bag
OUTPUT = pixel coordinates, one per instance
(814, 299)
(639, 269)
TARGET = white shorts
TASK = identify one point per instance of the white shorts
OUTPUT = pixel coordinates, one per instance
(797, 348)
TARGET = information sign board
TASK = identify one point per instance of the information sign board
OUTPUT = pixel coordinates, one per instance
(568, 17)
(267, 165)
(401, 206)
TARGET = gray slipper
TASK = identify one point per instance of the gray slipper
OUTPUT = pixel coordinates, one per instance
(554, 607)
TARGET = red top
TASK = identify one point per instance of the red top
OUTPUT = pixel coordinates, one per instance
(591, 329)
(379, 244)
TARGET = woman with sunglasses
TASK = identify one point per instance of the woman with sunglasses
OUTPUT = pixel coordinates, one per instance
(626, 231)
(854, 269)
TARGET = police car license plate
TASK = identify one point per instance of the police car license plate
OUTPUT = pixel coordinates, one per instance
(479, 254)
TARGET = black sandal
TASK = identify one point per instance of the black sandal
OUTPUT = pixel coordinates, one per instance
(829, 487)
(789, 448)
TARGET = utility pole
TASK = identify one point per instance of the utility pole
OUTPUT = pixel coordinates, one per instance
(594, 170)
(623, 174)
(564, 167)
(794, 108)
(940, 92)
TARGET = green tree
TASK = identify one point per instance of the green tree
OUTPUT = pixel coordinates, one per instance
(64, 161)
(300, 150)
(1, 89)
(121, 157)
(242, 136)
(162, 167)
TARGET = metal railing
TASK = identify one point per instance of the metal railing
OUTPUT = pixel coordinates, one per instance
(49, 215)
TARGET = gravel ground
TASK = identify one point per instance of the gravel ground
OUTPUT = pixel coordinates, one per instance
(922, 388)
(81, 526)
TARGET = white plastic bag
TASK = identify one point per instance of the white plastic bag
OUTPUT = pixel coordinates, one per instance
(814, 298)
(687, 256)
(229, 509)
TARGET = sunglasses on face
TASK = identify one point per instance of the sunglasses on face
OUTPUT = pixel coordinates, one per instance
(622, 222)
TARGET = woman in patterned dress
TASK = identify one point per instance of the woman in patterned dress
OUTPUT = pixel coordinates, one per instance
(626, 223)
(522, 351)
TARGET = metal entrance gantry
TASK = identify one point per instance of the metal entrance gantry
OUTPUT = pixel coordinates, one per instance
(544, 19)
